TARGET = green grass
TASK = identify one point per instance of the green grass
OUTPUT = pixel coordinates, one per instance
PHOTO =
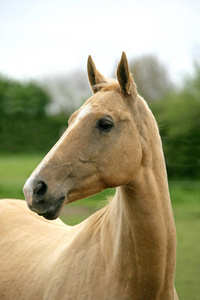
(188, 251)
(14, 170)
(185, 195)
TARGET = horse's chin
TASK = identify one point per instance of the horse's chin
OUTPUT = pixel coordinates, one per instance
(54, 211)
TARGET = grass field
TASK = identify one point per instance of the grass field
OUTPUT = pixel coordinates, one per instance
(185, 195)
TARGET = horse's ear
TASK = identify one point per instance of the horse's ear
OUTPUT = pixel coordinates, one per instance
(125, 79)
(95, 77)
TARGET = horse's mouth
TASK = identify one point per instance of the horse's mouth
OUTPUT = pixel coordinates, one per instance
(54, 211)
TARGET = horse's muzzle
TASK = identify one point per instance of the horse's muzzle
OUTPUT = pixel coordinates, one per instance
(39, 201)
(54, 211)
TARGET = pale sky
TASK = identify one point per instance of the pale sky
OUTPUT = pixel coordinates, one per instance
(41, 38)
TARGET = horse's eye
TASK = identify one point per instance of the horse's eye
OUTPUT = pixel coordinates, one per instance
(105, 124)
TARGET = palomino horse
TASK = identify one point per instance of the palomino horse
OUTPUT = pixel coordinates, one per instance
(127, 250)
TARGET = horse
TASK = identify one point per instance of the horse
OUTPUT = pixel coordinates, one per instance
(127, 249)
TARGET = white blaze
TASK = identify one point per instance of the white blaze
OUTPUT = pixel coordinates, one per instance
(83, 112)
(28, 187)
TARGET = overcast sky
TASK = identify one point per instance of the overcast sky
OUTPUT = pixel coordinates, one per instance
(39, 38)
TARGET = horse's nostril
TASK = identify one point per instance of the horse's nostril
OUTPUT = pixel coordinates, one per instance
(40, 189)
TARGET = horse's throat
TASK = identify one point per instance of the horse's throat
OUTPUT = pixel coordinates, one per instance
(144, 231)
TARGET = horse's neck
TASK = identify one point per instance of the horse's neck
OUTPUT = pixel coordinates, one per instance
(142, 227)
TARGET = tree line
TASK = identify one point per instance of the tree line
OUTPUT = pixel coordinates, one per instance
(177, 111)
(26, 125)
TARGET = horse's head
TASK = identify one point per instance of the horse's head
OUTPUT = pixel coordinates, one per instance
(101, 147)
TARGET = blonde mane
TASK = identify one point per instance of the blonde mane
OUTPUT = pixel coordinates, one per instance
(109, 85)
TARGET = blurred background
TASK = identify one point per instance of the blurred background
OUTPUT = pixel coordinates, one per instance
(44, 47)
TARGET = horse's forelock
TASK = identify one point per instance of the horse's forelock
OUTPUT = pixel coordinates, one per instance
(109, 85)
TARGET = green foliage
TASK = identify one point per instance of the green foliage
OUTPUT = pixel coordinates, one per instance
(24, 125)
(178, 116)
(17, 98)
